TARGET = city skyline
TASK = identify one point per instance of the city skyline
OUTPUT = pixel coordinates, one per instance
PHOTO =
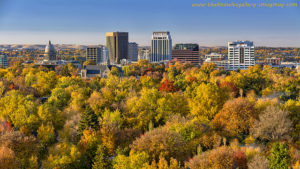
(86, 22)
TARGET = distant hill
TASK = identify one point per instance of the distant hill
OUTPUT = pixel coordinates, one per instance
(41, 47)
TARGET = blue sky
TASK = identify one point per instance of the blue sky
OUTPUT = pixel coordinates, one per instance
(86, 21)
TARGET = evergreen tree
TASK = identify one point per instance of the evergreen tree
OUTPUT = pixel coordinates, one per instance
(88, 120)
(279, 157)
(102, 159)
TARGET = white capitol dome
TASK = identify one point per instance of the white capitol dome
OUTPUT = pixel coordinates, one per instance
(50, 53)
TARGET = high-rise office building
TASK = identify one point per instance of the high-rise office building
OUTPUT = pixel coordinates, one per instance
(133, 52)
(186, 53)
(50, 53)
(98, 54)
(240, 55)
(94, 54)
(161, 47)
(117, 44)
(3, 61)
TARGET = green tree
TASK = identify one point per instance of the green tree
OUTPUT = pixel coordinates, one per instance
(279, 157)
(180, 82)
(88, 120)
(102, 159)
(59, 98)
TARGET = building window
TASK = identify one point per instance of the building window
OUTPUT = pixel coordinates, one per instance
(242, 57)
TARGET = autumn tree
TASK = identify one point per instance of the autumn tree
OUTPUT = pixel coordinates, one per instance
(46, 135)
(7, 158)
(235, 118)
(163, 164)
(219, 158)
(49, 113)
(161, 142)
(66, 70)
(26, 148)
(258, 162)
(98, 101)
(208, 100)
(230, 87)
(167, 86)
(110, 125)
(45, 82)
(133, 161)
(198, 162)
(207, 68)
(173, 103)
(293, 107)
(3, 88)
(142, 110)
(62, 155)
(20, 110)
(240, 159)
(247, 80)
(189, 129)
(147, 81)
(114, 71)
(88, 147)
(273, 124)
(65, 82)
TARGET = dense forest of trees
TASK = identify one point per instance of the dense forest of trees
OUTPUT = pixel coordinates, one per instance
(152, 118)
